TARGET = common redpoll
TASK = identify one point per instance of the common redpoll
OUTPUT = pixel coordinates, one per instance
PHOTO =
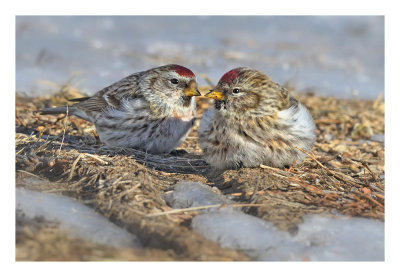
(152, 110)
(255, 121)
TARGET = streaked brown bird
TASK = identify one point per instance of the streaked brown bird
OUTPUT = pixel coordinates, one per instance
(151, 110)
(255, 121)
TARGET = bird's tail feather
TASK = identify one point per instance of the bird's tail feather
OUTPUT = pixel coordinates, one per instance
(58, 110)
(79, 99)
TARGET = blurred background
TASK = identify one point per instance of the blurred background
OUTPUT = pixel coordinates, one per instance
(341, 56)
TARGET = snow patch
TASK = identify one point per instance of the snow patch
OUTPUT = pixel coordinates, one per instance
(74, 217)
(193, 194)
(319, 237)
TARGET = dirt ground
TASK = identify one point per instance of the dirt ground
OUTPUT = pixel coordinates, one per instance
(344, 174)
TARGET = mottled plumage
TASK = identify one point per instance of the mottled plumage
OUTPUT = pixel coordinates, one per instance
(152, 110)
(255, 121)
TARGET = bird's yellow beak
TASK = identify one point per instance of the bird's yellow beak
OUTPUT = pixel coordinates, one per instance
(217, 95)
(192, 91)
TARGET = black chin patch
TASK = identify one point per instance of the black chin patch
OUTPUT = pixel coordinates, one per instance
(219, 105)
(186, 100)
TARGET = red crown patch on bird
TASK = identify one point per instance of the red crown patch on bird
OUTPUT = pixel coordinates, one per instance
(183, 71)
(230, 76)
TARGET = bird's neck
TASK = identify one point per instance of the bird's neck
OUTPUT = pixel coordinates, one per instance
(247, 115)
(176, 110)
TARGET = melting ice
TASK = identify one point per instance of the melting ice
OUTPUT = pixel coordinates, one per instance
(75, 218)
(319, 237)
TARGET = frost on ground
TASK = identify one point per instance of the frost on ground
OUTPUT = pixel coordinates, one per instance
(319, 237)
(75, 218)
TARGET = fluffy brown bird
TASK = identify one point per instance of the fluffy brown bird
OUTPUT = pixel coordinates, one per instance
(152, 110)
(255, 121)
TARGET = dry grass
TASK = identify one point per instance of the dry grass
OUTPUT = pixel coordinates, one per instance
(343, 174)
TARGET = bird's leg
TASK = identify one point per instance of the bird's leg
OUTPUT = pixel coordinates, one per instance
(289, 167)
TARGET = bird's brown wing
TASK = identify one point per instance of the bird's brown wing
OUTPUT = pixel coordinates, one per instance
(111, 96)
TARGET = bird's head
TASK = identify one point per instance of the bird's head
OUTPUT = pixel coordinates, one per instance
(244, 90)
(171, 84)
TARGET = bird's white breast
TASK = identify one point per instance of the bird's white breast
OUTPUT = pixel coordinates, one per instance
(300, 120)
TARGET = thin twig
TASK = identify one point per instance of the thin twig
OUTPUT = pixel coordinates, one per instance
(19, 152)
(65, 128)
(373, 174)
(277, 170)
(369, 198)
(31, 174)
(327, 169)
(365, 165)
(207, 207)
(74, 165)
(96, 158)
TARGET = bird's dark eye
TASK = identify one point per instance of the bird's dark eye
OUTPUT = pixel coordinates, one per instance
(174, 81)
(236, 90)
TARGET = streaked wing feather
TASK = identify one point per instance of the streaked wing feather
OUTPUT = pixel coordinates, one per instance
(111, 96)
(79, 99)
(93, 104)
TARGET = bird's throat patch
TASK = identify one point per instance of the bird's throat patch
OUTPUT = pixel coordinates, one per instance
(185, 116)
(219, 105)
